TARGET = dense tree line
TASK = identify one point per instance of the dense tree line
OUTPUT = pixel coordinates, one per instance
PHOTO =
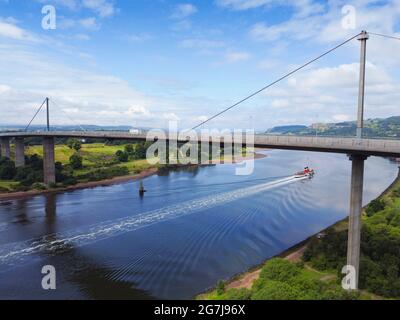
(31, 175)
(133, 152)
(380, 248)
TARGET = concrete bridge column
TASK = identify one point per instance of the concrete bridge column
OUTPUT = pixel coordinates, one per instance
(356, 196)
(5, 147)
(49, 169)
(19, 152)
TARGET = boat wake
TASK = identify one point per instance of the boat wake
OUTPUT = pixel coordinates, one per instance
(13, 253)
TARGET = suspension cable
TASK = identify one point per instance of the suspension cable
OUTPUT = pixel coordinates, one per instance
(276, 81)
(37, 112)
(384, 35)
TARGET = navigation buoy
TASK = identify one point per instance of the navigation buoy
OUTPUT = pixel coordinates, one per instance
(142, 190)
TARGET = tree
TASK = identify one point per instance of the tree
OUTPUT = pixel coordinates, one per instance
(74, 144)
(279, 269)
(122, 156)
(129, 149)
(220, 287)
(7, 169)
(75, 161)
(375, 206)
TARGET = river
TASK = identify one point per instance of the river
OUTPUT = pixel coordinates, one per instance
(192, 228)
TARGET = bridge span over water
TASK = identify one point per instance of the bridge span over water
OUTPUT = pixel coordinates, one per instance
(355, 147)
(347, 145)
(358, 148)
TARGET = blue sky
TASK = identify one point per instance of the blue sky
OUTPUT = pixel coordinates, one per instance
(143, 63)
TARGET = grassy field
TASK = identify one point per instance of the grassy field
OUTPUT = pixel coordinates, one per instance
(98, 163)
(7, 185)
(96, 155)
(92, 154)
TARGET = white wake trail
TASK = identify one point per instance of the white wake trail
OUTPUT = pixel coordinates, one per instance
(17, 251)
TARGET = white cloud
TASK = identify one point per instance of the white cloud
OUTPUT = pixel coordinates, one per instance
(103, 8)
(243, 4)
(233, 57)
(90, 23)
(303, 8)
(183, 11)
(312, 21)
(4, 88)
(202, 44)
(341, 117)
(138, 37)
(99, 98)
(171, 117)
(8, 29)
(330, 95)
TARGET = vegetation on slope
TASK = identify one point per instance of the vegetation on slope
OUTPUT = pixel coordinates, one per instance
(281, 279)
(380, 247)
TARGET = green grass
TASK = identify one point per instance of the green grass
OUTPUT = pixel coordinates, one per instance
(92, 154)
(7, 185)
(96, 155)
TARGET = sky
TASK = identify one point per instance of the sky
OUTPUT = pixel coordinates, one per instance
(144, 63)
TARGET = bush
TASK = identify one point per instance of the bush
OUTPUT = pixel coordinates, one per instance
(220, 287)
(329, 252)
(276, 290)
(74, 144)
(7, 169)
(237, 294)
(375, 206)
(76, 161)
(122, 156)
(107, 173)
(279, 269)
(32, 177)
(39, 186)
(129, 149)
(34, 162)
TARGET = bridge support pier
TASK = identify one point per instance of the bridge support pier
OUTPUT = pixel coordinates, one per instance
(5, 147)
(356, 196)
(49, 169)
(19, 152)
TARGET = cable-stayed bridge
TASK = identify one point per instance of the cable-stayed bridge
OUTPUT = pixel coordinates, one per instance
(358, 148)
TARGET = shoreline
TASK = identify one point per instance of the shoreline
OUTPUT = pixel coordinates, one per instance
(113, 181)
(80, 186)
(294, 254)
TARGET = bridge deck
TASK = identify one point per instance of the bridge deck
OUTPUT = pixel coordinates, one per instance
(376, 147)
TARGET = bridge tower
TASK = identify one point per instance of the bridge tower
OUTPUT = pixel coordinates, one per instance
(363, 37)
(5, 147)
(49, 169)
(48, 113)
(357, 175)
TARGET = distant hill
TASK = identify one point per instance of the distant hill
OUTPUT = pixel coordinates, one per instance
(389, 127)
(287, 129)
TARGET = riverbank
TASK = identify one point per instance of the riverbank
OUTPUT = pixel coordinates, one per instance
(79, 186)
(245, 281)
(116, 180)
